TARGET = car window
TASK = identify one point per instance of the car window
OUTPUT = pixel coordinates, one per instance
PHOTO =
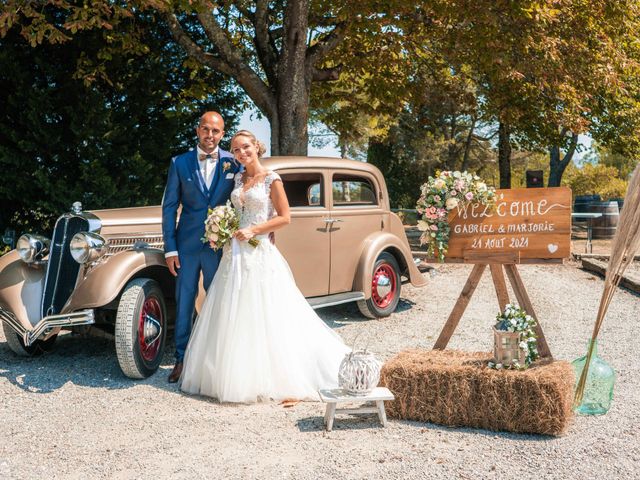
(352, 190)
(303, 189)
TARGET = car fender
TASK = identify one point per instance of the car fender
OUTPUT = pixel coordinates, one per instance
(21, 288)
(105, 281)
(397, 228)
(373, 246)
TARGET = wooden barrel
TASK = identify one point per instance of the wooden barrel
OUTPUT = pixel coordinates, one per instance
(605, 226)
(620, 202)
(582, 202)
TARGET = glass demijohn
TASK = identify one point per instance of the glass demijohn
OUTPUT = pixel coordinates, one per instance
(598, 391)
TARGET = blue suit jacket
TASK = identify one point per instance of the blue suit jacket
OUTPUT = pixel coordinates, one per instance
(186, 187)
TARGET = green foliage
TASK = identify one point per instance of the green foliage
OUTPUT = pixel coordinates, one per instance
(596, 179)
(103, 136)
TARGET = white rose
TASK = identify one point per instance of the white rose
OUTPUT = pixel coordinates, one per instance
(439, 184)
(423, 226)
(451, 203)
(481, 186)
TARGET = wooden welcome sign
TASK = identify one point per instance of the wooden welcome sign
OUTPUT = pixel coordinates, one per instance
(524, 226)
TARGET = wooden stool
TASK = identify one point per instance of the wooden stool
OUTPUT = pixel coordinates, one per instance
(333, 397)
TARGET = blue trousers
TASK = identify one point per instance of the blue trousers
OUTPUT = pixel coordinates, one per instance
(205, 261)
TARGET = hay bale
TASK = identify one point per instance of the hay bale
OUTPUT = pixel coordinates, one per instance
(458, 389)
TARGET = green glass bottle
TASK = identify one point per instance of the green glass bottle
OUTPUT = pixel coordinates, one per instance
(598, 391)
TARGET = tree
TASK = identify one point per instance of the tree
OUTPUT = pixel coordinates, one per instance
(541, 66)
(104, 139)
(273, 49)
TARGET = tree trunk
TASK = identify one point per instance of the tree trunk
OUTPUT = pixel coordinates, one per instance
(557, 165)
(289, 134)
(467, 146)
(504, 155)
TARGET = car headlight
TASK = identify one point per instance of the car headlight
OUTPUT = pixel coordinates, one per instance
(32, 248)
(87, 247)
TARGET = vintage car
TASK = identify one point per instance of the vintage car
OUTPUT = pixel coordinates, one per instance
(106, 268)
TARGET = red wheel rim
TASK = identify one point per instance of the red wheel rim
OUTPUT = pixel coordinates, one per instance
(383, 272)
(150, 325)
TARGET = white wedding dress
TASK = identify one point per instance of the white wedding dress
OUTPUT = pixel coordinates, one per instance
(257, 338)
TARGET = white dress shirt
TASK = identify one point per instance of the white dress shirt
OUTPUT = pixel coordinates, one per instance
(207, 168)
(208, 165)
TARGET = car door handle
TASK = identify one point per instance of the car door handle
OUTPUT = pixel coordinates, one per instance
(332, 220)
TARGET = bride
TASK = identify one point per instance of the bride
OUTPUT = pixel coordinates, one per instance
(256, 337)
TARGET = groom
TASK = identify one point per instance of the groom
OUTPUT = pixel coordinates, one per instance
(198, 180)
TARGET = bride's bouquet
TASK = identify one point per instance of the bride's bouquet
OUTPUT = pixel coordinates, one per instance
(221, 223)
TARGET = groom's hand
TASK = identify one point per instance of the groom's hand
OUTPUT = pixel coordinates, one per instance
(174, 264)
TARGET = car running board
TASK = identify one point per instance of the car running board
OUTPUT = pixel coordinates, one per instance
(336, 299)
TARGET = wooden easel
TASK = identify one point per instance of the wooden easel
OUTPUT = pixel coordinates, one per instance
(496, 263)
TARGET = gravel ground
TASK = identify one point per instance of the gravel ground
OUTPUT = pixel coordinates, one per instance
(71, 413)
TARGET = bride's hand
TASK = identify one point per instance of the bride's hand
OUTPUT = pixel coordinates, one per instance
(244, 234)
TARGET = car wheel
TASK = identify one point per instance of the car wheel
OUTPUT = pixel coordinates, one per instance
(141, 328)
(18, 347)
(385, 288)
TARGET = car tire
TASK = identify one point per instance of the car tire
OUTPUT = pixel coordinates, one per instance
(382, 304)
(18, 347)
(141, 328)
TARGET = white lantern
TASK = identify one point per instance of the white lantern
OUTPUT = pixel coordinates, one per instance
(359, 372)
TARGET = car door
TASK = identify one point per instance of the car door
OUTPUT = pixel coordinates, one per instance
(356, 212)
(305, 243)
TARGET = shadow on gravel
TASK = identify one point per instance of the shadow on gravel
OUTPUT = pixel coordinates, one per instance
(343, 422)
(422, 427)
(361, 422)
(91, 361)
(404, 305)
(82, 361)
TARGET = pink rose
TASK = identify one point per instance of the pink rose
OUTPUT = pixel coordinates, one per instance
(434, 228)
(436, 198)
(453, 193)
(469, 196)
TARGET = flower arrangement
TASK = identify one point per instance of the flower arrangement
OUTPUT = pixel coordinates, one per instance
(441, 194)
(221, 223)
(515, 320)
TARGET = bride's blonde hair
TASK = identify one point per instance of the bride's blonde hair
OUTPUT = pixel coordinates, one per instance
(246, 133)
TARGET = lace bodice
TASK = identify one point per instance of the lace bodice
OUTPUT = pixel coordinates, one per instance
(254, 205)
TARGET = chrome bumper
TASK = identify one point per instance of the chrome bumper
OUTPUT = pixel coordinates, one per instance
(83, 317)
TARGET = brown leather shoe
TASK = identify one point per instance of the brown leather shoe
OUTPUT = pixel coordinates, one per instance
(174, 376)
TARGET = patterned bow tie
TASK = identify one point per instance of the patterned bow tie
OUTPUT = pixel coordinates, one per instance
(204, 156)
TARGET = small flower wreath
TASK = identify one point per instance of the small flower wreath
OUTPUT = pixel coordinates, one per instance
(515, 319)
(441, 194)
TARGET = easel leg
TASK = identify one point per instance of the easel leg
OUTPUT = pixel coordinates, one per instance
(524, 301)
(501, 285)
(460, 307)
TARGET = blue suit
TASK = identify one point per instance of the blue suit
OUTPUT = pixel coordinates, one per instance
(186, 187)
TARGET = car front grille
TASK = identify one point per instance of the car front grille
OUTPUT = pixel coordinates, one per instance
(143, 240)
(62, 269)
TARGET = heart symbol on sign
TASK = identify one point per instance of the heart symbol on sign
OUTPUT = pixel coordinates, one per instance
(552, 247)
